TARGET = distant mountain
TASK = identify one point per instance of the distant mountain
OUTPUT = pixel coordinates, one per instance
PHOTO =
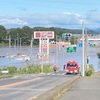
(97, 30)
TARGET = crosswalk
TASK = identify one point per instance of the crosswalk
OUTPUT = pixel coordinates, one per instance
(28, 76)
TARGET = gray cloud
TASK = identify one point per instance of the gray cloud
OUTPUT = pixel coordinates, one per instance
(93, 19)
(64, 20)
(54, 20)
(9, 22)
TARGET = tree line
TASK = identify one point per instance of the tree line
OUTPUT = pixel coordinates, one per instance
(25, 33)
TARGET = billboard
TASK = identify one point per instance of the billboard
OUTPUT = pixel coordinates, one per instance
(43, 34)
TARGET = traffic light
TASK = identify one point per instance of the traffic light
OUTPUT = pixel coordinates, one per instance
(68, 34)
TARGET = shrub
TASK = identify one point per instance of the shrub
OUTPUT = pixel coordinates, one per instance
(22, 71)
(12, 70)
(30, 69)
(90, 71)
(47, 69)
(33, 69)
(0, 73)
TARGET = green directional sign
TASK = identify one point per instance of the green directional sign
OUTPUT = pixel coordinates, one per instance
(74, 49)
(92, 45)
(71, 49)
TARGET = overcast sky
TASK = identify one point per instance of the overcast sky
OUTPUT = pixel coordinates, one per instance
(50, 13)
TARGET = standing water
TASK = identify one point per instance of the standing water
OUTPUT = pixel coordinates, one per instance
(58, 57)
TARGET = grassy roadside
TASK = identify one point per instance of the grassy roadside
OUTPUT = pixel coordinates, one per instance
(90, 71)
(31, 69)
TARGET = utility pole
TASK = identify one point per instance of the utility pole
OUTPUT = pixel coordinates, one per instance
(20, 42)
(56, 50)
(86, 49)
(31, 48)
(59, 43)
(17, 39)
(83, 49)
(14, 43)
(9, 41)
(9, 48)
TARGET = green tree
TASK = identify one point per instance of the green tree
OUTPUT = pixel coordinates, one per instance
(3, 33)
(27, 32)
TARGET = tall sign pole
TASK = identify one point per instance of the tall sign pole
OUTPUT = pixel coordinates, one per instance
(42, 54)
(40, 45)
(83, 60)
(43, 37)
(47, 46)
(46, 35)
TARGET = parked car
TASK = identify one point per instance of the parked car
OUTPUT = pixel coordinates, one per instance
(72, 67)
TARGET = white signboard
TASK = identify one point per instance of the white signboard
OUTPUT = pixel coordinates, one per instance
(43, 34)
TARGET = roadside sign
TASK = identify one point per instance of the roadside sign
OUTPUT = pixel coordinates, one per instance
(43, 34)
(5, 71)
(71, 48)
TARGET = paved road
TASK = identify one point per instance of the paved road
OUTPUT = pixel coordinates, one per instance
(26, 87)
(85, 89)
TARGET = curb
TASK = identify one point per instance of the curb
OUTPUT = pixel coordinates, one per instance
(57, 91)
(3, 77)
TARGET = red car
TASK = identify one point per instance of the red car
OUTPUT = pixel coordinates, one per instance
(72, 67)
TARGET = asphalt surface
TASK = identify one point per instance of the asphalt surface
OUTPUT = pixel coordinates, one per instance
(27, 87)
(87, 88)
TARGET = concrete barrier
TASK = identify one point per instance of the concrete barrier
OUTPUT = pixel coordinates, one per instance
(57, 91)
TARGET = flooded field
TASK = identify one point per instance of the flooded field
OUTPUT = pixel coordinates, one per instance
(57, 56)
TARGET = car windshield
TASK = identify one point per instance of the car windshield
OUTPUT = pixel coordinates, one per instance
(71, 65)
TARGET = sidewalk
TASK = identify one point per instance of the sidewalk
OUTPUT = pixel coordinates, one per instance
(87, 88)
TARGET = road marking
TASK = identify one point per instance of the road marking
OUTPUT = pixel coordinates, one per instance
(19, 83)
(10, 93)
(25, 89)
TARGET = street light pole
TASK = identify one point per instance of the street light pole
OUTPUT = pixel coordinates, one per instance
(83, 49)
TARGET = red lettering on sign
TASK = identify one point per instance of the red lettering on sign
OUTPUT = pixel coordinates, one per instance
(37, 35)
